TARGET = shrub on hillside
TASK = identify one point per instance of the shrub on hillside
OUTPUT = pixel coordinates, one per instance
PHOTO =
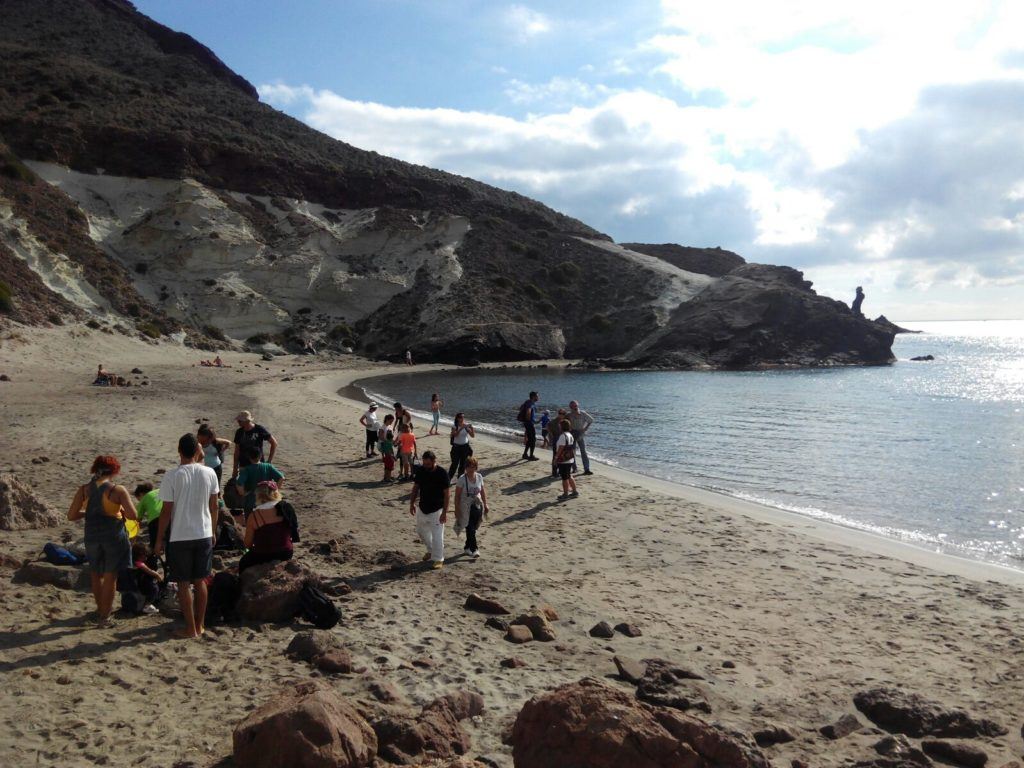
(148, 329)
(6, 299)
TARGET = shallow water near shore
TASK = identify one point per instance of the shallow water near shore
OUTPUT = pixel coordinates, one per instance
(931, 453)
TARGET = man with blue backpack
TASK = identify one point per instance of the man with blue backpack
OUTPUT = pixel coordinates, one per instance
(528, 418)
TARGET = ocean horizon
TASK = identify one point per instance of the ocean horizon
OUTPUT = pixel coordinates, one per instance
(928, 453)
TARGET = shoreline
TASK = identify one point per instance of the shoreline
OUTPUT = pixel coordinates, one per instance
(827, 531)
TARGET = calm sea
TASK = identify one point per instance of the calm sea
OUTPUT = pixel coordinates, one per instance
(928, 452)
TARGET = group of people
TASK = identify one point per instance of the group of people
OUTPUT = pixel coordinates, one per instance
(182, 518)
(564, 434)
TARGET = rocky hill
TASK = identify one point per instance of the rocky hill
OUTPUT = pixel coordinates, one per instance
(145, 189)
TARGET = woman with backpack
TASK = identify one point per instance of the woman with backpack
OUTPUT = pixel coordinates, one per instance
(105, 507)
(270, 529)
(461, 449)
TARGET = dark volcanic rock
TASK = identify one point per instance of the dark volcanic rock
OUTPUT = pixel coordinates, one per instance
(484, 605)
(898, 748)
(629, 630)
(603, 630)
(630, 670)
(955, 753)
(434, 733)
(668, 685)
(923, 358)
(756, 316)
(705, 261)
(889, 325)
(61, 576)
(538, 624)
(773, 734)
(270, 592)
(594, 725)
(844, 726)
(899, 711)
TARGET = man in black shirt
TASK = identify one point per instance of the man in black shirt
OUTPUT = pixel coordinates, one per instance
(431, 487)
(251, 435)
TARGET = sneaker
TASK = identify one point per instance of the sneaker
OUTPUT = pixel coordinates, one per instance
(532, 458)
(563, 497)
(437, 565)
(587, 472)
(426, 557)
(150, 609)
(467, 552)
(476, 554)
(574, 495)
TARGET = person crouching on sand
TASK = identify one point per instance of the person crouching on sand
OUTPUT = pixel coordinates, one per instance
(107, 546)
(433, 491)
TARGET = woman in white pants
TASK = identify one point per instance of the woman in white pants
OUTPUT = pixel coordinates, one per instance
(432, 489)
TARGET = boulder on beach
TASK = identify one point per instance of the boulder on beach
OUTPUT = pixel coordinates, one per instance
(21, 509)
(61, 576)
(900, 711)
(537, 622)
(670, 685)
(270, 591)
(434, 733)
(305, 726)
(955, 753)
(485, 605)
(591, 724)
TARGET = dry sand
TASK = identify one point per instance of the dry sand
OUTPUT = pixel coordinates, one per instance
(808, 613)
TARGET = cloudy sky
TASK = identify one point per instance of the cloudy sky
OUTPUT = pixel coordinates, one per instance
(875, 143)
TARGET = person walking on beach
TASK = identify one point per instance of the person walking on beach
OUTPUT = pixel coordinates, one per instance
(461, 449)
(432, 490)
(408, 357)
(528, 418)
(189, 494)
(250, 434)
(580, 421)
(107, 546)
(554, 432)
(470, 506)
(565, 457)
(436, 404)
(372, 426)
(545, 422)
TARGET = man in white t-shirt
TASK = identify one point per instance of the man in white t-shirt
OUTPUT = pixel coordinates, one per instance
(189, 495)
(371, 424)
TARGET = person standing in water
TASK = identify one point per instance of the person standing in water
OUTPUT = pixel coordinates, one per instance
(857, 301)
(107, 546)
(436, 404)
(580, 421)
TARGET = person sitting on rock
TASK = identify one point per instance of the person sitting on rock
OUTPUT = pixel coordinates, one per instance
(268, 532)
(857, 301)
(107, 546)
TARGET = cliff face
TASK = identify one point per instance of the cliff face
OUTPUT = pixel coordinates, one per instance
(144, 187)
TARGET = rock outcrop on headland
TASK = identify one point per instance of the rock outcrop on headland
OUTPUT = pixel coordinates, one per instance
(146, 189)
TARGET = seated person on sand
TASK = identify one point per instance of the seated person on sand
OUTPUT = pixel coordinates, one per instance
(215, 363)
(104, 378)
(268, 533)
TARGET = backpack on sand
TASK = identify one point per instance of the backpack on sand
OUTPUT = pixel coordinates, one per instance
(317, 608)
(225, 589)
(58, 555)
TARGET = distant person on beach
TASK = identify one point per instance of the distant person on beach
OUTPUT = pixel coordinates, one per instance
(528, 418)
(470, 506)
(858, 299)
(406, 451)
(545, 421)
(565, 457)
(554, 432)
(107, 546)
(189, 494)
(387, 452)
(250, 434)
(461, 449)
(104, 378)
(371, 424)
(214, 449)
(436, 404)
(148, 509)
(254, 473)
(268, 533)
(408, 357)
(432, 490)
(579, 422)
(402, 416)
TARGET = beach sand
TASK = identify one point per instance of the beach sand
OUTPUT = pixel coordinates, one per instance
(806, 613)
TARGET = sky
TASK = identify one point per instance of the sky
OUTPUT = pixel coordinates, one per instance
(875, 143)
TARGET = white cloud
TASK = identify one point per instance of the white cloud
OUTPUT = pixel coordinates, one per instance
(558, 91)
(526, 23)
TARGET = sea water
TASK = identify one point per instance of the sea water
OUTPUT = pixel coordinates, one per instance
(928, 452)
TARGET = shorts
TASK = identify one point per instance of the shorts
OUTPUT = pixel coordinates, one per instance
(109, 554)
(190, 560)
(565, 471)
(406, 457)
(389, 463)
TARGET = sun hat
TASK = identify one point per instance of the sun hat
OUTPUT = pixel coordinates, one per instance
(244, 416)
(373, 406)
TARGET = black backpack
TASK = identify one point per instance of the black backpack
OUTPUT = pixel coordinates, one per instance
(317, 608)
(225, 590)
(524, 412)
(287, 512)
(228, 538)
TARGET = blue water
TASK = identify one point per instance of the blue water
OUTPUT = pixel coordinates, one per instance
(928, 452)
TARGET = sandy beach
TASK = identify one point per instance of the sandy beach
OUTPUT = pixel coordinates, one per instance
(786, 618)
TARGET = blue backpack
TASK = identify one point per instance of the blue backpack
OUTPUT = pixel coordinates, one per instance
(58, 555)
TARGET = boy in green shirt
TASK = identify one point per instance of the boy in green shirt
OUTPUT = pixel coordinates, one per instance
(253, 474)
(149, 507)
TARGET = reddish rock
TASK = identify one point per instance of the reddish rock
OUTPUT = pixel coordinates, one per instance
(538, 625)
(603, 630)
(669, 685)
(900, 711)
(270, 591)
(519, 633)
(435, 732)
(483, 605)
(592, 725)
(549, 612)
(310, 644)
(630, 670)
(21, 509)
(337, 661)
(384, 691)
(495, 623)
(306, 726)
(629, 630)
(898, 748)
(773, 734)
(955, 753)
(462, 704)
(844, 726)
(513, 662)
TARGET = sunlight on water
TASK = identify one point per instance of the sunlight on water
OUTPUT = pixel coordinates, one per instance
(927, 452)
